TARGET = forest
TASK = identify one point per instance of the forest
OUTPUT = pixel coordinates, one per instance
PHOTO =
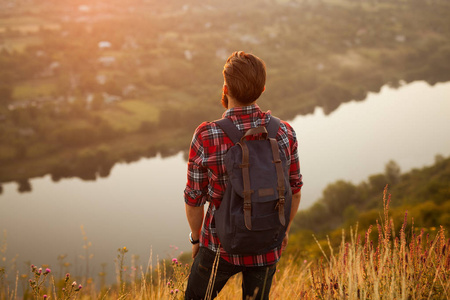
(83, 87)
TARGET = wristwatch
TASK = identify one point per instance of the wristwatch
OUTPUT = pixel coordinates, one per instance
(192, 240)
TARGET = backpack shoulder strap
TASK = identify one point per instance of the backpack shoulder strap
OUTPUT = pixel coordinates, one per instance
(230, 129)
(272, 127)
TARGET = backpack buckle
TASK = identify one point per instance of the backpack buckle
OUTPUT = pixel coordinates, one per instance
(280, 207)
(280, 202)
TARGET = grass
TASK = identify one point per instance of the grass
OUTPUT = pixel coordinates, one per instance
(394, 265)
(31, 89)
(119, 116)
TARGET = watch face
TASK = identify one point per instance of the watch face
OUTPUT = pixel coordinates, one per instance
(192, 240)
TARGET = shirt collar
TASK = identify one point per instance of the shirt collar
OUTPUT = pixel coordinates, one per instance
(243, 110)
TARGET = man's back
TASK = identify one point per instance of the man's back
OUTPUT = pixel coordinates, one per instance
(206, 167)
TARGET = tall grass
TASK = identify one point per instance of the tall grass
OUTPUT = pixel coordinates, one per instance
(380, 264)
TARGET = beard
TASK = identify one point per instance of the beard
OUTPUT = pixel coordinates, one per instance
(224, 101)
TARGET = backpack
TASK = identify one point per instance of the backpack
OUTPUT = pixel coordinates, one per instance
(255, 209)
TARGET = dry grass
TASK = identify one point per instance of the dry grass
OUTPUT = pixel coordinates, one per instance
(406, 265)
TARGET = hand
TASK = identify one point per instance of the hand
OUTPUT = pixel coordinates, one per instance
(195, 249)
(285, 242)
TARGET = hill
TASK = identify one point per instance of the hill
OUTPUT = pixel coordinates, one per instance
(424, 194)
(85, 86)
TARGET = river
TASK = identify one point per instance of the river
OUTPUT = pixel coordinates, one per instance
(140, 205)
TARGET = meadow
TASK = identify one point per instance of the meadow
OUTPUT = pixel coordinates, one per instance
(380, 264)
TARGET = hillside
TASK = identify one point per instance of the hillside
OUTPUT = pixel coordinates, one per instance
(83, 87)
(423, 194)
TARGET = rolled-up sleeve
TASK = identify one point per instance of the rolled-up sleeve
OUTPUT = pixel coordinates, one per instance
(195, 193)
(295, 177)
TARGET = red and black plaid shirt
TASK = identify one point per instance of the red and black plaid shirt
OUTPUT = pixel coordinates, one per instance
(207, 179)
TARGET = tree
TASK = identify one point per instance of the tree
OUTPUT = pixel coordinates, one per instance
(337, 196)
(392, 172)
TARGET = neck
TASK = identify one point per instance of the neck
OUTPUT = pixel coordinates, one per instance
(234, 103)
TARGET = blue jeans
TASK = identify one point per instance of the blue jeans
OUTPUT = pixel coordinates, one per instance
(252, 277)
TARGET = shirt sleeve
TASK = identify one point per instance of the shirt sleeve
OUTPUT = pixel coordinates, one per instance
(195, 193)
(295, 177)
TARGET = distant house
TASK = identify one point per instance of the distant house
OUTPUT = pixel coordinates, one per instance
(400, 38)
(84, 8)
(101, 79)
(129, 90)
(188, 54)
(50, 70)
(110, 98)
(107, 61)
(104, 45)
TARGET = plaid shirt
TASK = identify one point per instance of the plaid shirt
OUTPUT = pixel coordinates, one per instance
(207, 179)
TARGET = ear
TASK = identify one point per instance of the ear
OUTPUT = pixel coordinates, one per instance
(264, 89)
(225, 89)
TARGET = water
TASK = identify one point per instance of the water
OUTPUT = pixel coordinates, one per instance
(140, 205)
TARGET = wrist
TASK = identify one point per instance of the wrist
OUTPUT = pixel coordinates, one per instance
(193, 240)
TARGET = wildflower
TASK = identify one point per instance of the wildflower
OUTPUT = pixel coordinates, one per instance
(40, 271)
(47, 271)
(174, 260)
(67, 277)
(45, 296)
(171, 292)
(80, 287)
(176, 291)
(74, 283)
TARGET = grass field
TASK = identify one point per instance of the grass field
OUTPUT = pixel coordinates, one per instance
(128, 115)
(34, 88)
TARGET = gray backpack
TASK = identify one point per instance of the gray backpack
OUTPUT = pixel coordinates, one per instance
(255, 209)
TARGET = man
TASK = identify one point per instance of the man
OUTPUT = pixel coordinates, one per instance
(244, 81)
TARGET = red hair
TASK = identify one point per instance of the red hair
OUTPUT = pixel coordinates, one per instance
(245, 76)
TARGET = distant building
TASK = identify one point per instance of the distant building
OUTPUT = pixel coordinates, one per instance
(400, 38)
(188, 54)
(110, 98)
(104, 45)
(101, 79)
(107, 61)
(84, 8)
